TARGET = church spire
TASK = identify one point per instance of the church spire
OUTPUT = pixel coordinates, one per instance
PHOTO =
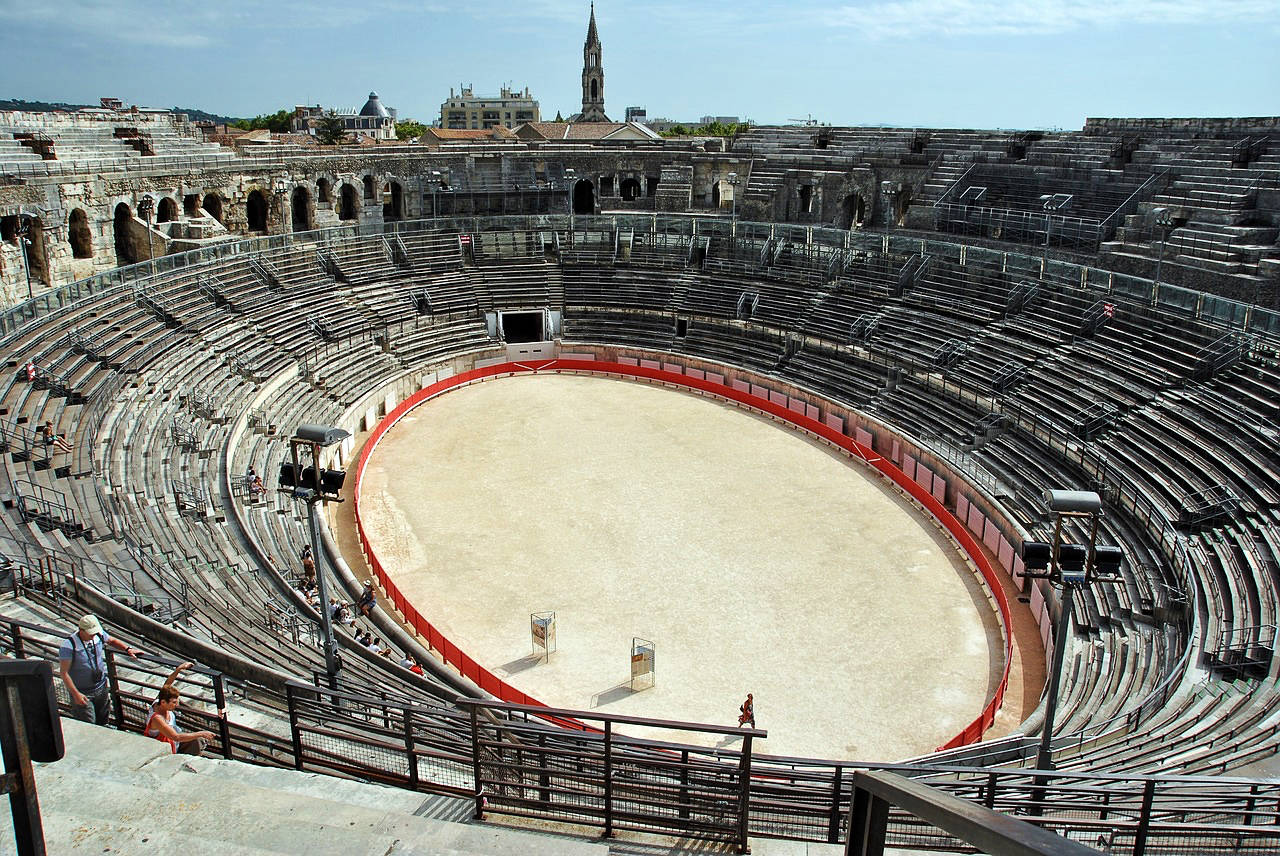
(592, 75)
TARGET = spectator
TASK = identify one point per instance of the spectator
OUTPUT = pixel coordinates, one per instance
(253, 484)
(747, 712)
(308, 562)
(31, 370)
(376, 646)
(367, 600)
(52, 439)
(82, 665)
(162, 726)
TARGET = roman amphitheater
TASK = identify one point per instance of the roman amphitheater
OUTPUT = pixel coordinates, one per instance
(629, 430)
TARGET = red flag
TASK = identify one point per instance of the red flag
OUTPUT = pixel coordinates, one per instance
(1109, 310)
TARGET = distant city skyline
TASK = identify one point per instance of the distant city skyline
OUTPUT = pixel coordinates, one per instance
(939, 63)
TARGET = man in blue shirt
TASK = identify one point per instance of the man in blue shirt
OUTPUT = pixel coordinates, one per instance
(82, 665)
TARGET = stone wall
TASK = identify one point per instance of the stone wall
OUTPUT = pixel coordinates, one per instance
(1186, 127)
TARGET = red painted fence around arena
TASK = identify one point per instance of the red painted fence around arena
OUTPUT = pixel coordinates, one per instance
(778, 409)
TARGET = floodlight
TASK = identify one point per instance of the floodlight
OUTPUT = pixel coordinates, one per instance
(1073, 501)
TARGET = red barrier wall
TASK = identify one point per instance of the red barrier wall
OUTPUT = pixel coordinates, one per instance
(490, 683)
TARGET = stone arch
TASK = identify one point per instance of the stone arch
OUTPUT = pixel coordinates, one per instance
(715, 194)
(324, 190)
(349, 209)
(213, 205)
(853, 210)
(629, 189)
(806, 198)
(126, 245)
(255, 211)
(901, 203)
(595, 89)
(368, 187)
(584, 197)
(166, 210)
(302, 219)
(392, 201)
(79, 236)
(191, 205)
(37, 259)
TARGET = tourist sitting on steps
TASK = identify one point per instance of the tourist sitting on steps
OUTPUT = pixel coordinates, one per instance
(52, 439)
(162, 726)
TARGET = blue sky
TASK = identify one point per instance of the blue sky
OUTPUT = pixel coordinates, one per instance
(941, 63)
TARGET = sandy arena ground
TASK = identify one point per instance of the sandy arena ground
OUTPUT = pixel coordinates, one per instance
(755, 559)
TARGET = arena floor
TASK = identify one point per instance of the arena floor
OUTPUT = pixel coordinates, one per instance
(755, 559)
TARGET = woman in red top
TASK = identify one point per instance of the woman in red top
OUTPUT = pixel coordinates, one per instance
(160, 720)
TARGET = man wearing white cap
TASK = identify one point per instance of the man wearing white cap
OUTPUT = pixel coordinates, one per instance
(82, 662)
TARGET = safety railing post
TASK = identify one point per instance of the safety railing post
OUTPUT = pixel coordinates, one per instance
(833, 818)
(113, 682)
(410, 754)
(295, 731)
(608, 779)
(1144, 818)
(744, 794)
(15, 633)
(475, 761)
(868, 821)
(224, 727)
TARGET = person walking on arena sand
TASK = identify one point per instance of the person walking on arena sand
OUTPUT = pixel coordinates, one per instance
(748, 712)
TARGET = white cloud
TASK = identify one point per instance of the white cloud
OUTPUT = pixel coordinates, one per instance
(905, 18)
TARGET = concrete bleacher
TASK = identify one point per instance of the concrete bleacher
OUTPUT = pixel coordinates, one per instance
(234, 566)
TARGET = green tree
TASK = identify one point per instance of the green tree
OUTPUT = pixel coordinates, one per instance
(408, 129)
(279, 122)
(332, 131)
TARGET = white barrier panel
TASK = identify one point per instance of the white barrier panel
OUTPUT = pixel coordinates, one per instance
(812, 412)
(565, 355)
(924, 476)
(897, 450)
(715, 377)
(759, 391)
(778, 398)
(741, 386)
(835, 423)
(991, 537)
(864, 437)
(939, 488)
(650, 364)
(673, 368)
(909, 467)
(1006, 554)
(629, 361)
(962, 507)
(796, 405)
(1018, 568)
(976, 522)
(696, 374)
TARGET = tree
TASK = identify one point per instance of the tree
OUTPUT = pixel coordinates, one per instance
(331, 131)
(408, 129)
(279, 122)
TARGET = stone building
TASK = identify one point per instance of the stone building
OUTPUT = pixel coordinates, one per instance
(373, 120)
(510, 108)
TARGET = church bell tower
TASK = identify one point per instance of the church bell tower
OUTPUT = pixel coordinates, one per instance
(592, 76)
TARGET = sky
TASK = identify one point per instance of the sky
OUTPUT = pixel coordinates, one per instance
(932, 63)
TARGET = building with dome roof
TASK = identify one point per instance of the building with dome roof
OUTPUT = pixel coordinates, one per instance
(374, 120)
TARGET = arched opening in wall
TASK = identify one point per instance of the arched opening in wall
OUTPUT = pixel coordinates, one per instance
(806, 198)
(853, 211)
(595, 90)
(368, 187)
(37, 263)
(191, 205)
(392, 201)
(79, 236)
(255, 211)
(324, 192)
(901, 202)
(715, 195)
(350, 204)
(166, 211)
(629, 189)
(584, 197)
(213, 205)
(126, 248)
(301, 210)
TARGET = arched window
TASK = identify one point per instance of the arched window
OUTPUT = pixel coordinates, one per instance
(167, 210)
(255, 210)
(393, 202)
(595, 90)
(350, 206)
(78, 234)
(191, 204)
(629, 189)
(213, 205)
(584, 197)
(368, 187)
(301, 210)
(126, 249)
(323, 191)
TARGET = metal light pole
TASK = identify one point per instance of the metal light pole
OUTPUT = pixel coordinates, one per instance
(435, 188)
(316, 486)
(733, 183)
(24, 229)
(145, 208)
(1071, 566)
(1052, 202)
(1164, 219)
